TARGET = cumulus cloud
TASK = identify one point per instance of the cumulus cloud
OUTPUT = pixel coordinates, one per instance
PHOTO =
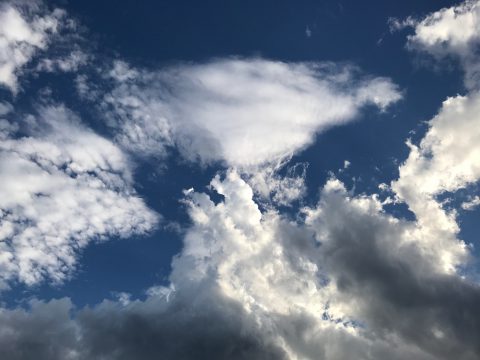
(447, 157)
(62, 186)
(347, 282)
(445, 161)
(390, 279)
(245, 112)
(452, 31)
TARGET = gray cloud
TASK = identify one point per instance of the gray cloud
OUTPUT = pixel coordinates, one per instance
(184, 328)
(392, 283)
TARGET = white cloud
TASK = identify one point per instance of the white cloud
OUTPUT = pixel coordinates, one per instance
(23, 32)
(246, 112)
(452, 31)
(446, 160)
(279, 189)
(71, 62)
(62, 186)
(471, 204)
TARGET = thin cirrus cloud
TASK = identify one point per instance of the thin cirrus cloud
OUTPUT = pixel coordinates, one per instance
(244, 112)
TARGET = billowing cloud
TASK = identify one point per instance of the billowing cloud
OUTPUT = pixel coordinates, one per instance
(445, 161)
(348, 282)
(245, 112)
(62, 186)
(447, 157)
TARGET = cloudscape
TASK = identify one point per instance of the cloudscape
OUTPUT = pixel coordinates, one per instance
(239, 180)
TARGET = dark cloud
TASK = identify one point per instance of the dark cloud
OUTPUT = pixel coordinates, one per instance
(195, 328)
(44, 333)
(393, 283)
(213, 328)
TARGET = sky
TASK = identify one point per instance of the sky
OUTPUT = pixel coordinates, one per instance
(239, 180)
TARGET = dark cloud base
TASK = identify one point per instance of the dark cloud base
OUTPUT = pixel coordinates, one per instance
(213, 328)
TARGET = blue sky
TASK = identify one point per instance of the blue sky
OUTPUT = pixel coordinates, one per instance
(300, 176)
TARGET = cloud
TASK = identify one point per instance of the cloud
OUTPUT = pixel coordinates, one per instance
(452, 31)
(196, 329)
(471, 203)
(276, 188)
(47, 332)
(244, 112)
(445, 161)
(390, 280)
(62, 186)
(446, 158)
(25, 29)
(348, 282)
(70, 63)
